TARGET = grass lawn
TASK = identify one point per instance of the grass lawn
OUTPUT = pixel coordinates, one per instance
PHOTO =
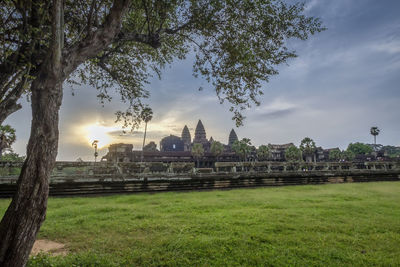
(323, 225)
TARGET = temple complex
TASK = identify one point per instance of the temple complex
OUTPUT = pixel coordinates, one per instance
(184, 143)
(179, 149)
(174, 148)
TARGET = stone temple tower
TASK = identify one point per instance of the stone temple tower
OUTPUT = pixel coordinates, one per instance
(200, 134)
(186, 138)
(232, 138)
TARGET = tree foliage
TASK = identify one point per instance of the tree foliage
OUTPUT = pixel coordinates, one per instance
(263, 152)
(242, 148)
(375, 132)
(7, 138)
(217, 148)
(359, 148)
(391, 151)
(335, 154)
(12, 157)
(197, 152)
(307, 146)
(237, 45)
(293, 154)
(146, 114)
(348, 155)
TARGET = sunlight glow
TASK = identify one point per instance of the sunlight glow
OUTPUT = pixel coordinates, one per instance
(100, 133)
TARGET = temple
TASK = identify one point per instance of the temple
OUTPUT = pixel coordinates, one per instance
(174, 149)
(185, 144)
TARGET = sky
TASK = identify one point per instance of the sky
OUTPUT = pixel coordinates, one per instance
(344, 80)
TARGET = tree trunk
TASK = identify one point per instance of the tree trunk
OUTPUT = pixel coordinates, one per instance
(27, 211)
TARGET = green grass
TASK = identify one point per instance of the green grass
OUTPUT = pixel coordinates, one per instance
(324, 225)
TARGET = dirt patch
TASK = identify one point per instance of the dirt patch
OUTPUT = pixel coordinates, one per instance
(48, 246)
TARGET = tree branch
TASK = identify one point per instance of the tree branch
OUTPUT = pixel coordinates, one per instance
(93, 44)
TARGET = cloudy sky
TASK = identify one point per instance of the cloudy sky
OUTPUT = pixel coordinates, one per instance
(344, 81)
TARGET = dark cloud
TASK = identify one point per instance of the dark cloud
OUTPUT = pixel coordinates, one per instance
(276, 114)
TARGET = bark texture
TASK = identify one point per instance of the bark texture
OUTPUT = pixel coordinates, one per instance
(27, 211)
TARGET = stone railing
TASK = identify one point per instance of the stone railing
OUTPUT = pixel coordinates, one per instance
(101, 169)
(89, 178)
(108, 169)
(270, 167)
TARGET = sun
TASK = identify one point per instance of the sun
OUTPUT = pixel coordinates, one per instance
(100, 133)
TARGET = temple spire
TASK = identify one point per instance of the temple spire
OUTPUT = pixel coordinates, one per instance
(200, 133)
(232, 137)
(186, 138)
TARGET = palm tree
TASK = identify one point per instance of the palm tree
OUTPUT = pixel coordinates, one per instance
(146, 115)
(242, 148)
(263, 152)
(7, 137)
(375, 131)
(197, 152)
(335, 154)
(307, 147)
(216, 149)
(292, 154)
(94, 145)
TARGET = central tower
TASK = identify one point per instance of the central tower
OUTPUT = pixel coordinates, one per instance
(200, 134)
(232, 138)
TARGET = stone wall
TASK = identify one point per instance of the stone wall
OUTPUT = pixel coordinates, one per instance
(76, 178)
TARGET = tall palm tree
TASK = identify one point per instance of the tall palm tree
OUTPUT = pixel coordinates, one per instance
(242, 148)
(307, 147)
(375, 131)
(197, 152)
(216, 149)
(146, 116)
(263, 152)
(94, 145)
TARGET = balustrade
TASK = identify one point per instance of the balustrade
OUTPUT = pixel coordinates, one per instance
(91, 169)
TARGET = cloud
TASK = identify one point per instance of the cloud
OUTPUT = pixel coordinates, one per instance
(276, 114)
(275, 109)
(388, 46)
(343, 81)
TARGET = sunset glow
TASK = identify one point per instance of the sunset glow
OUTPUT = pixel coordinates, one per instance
(100, 133)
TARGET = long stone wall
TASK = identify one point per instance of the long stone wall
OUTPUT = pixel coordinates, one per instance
(85, 178)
